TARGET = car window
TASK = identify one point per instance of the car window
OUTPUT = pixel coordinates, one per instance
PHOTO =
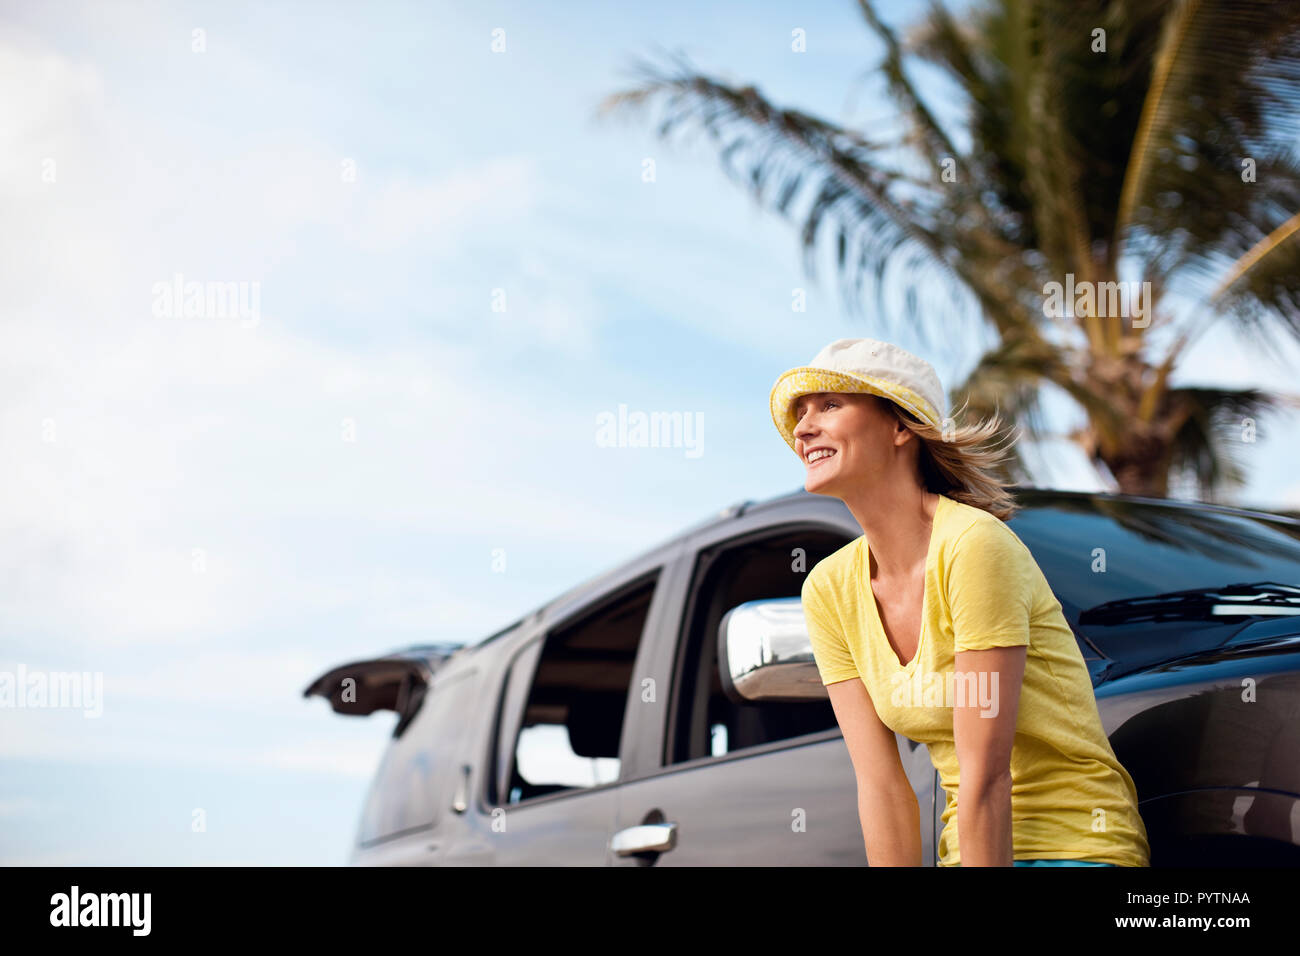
(772, 565)
(1093, 550)
(569, 734)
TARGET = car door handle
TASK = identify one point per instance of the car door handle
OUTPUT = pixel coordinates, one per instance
(644, 838)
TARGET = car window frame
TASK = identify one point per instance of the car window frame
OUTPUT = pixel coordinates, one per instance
(512, 699)
(726, 538)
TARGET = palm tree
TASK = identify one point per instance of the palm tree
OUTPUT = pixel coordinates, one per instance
(1143, 140)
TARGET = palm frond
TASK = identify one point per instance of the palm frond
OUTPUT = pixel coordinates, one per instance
(872, 209)
(1213, 429)
(1106, 138)
(1005, 384)
(1223, 88)
(1264, 284)
(929, 138)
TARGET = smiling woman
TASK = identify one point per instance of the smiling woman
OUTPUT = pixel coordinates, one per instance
(939, 592)
(953, 460)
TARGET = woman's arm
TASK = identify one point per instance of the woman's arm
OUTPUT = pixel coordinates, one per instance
(983, 729)
(887, 807)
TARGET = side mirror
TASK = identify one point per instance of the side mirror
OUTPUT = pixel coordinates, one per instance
(764, 653)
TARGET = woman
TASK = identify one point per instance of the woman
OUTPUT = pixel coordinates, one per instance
(938, 624)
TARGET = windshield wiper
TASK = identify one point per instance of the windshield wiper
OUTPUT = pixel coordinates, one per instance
(1264, 598)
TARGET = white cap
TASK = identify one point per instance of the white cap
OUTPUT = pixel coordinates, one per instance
(861, 365)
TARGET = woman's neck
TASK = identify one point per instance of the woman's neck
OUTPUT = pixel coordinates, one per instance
(897, 524)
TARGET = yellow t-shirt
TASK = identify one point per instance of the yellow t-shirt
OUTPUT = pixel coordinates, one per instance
(1071, 799)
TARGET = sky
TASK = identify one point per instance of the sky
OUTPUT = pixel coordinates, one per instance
(450, 271)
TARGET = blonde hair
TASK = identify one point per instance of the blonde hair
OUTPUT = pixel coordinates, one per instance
(957, 462)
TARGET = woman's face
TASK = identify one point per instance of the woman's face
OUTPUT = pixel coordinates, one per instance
(862, 435)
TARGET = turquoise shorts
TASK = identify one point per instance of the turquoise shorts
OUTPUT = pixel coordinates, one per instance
(1059, 863)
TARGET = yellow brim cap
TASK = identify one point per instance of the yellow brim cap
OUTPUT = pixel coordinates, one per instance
(808, 380)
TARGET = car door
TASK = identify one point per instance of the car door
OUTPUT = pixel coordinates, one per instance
(559, 731)
(747, 783)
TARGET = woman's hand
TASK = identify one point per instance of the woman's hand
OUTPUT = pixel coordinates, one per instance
(987, 688)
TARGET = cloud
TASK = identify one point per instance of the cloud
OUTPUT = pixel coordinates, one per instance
(1290, 497)
(20, 807)
(327, 757)
(155, 451)
(501, 189)
(80, 857)
(201, 738)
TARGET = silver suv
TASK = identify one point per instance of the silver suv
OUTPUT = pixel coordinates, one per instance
(670, 711)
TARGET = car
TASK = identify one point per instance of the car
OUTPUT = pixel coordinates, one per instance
(670, 712)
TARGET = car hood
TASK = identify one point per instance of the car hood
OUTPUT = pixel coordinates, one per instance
(1126, 648)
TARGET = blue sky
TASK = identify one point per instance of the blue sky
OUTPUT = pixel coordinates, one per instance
(210, 512)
